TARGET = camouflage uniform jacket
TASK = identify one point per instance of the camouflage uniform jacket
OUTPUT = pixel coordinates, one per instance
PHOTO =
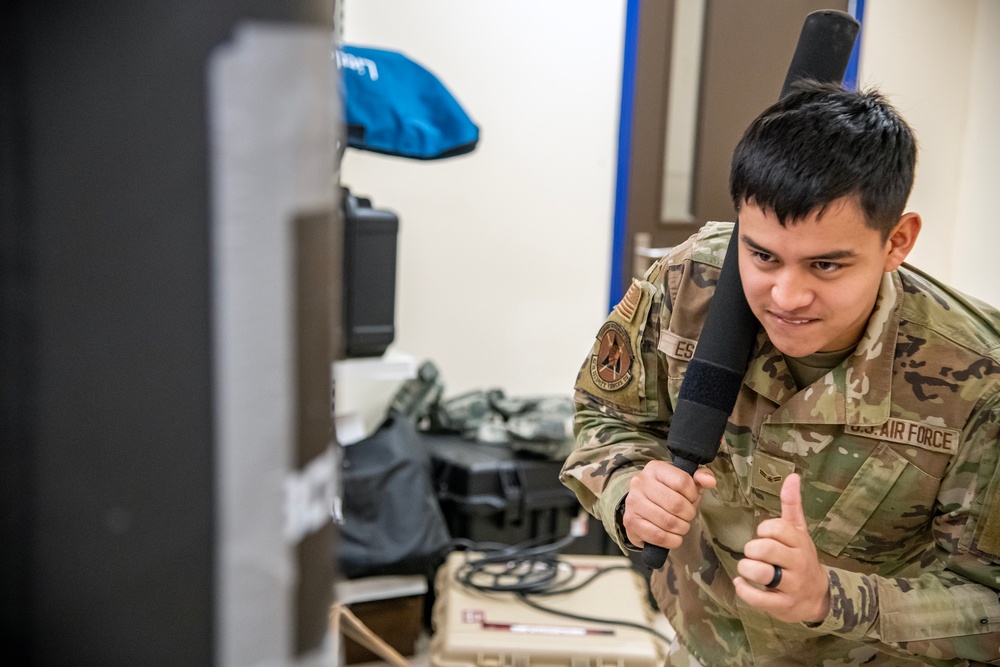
(897, 448)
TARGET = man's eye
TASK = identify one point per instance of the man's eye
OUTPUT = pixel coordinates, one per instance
(827, 267)
(761, 256)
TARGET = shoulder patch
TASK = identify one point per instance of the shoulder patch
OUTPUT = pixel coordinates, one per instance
(611, 366)
(917, 434)
(627, 306)
(989, 539)
(676, 347)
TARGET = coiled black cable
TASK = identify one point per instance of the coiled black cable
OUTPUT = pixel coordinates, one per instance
(533, 569)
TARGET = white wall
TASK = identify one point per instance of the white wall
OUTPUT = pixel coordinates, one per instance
(939, 63)
(975, 265)
(504, 254)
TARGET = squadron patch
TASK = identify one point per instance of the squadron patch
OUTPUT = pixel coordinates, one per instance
(611, 366)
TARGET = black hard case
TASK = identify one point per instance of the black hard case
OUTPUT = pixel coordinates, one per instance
(370, 239)
(488, 493)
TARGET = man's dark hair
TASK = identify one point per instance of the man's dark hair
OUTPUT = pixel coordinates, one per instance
(821, 143)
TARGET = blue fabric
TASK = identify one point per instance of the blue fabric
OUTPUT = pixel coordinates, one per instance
(395, 106)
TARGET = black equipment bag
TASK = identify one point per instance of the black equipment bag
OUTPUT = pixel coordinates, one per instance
(392, 521)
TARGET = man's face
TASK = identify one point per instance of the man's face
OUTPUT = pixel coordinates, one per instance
(812, 283)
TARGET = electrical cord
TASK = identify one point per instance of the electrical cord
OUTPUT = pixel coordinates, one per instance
(533, 569)
(593, 619)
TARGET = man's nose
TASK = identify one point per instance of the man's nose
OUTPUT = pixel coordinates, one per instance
(791, 291)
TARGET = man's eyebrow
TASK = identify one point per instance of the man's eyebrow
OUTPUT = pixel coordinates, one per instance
(754, 245)
(827, 256)
(836, 254)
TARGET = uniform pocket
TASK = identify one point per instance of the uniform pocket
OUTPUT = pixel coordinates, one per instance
(859, 502)
(726, 481)
(766, 477)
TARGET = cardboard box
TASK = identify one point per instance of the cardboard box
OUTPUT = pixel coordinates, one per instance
(391, 607)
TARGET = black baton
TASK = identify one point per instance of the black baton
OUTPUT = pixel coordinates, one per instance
(715, 373)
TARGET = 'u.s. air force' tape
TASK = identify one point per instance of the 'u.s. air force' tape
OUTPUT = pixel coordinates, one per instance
(917, 434)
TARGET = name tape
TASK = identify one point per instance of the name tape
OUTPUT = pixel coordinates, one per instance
(676, 347)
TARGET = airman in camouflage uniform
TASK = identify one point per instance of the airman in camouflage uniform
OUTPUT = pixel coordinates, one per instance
(886, 467)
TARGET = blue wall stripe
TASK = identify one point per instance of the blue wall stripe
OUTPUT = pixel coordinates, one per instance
(855, 8)
(617, 288)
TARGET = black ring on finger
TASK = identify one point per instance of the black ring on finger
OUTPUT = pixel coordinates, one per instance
(776, 579)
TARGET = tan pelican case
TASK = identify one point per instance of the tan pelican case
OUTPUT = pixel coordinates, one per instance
(474, 628)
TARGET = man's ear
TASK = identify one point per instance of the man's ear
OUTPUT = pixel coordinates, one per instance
(902, 239)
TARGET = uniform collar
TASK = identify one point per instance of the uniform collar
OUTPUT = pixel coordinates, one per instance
(856, 392)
